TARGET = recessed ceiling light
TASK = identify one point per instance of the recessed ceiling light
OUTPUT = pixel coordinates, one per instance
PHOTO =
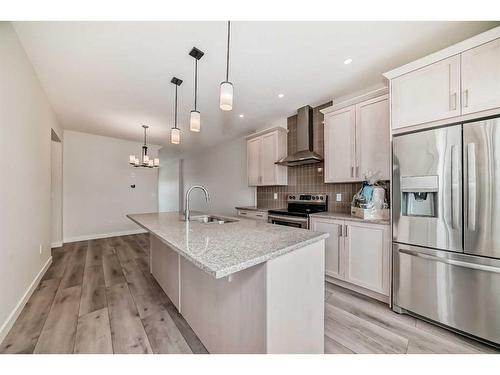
(242, 115)
(281, 95)
(348, 61)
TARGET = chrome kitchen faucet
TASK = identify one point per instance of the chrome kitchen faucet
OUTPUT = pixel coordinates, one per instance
(187, 214)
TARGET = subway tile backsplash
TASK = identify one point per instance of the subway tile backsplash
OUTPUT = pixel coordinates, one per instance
(308, 178)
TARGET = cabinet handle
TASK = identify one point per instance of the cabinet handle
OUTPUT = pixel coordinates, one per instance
(258, 215)
(243, 213)
(352, 171)
(466, 98)
(340, 231)
(453, 101)
(345, 230)
(357, 171)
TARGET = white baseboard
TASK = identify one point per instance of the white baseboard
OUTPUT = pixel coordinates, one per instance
(7, 325)
(102, 235)
(56, 244)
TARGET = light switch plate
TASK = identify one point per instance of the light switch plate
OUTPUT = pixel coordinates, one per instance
(275, 195)
(338, 197)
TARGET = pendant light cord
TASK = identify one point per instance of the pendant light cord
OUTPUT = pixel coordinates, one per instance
(195, 82)
(144, 136)
(175, 110)
(227, 56)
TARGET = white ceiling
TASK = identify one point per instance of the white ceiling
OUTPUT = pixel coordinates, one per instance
(108, 78)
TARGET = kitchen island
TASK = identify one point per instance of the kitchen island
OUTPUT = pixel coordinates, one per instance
(244, 286)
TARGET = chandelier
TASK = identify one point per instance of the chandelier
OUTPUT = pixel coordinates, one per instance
(145, 161)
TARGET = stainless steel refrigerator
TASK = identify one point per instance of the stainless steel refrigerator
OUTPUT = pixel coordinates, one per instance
(446, 226)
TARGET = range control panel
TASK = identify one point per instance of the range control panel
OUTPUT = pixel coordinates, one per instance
(307, 198)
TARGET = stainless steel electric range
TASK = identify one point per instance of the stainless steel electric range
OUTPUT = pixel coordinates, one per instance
(299, 208)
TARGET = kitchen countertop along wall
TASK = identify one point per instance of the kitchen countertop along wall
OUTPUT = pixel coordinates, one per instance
(308, 178)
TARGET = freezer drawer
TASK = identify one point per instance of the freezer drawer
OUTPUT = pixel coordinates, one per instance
(457, 290)
(427, 188)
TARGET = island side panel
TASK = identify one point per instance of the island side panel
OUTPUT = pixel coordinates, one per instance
(165, 264)
(296, 301)
(228, 314)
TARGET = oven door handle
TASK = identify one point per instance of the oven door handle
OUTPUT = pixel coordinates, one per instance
(292, 219)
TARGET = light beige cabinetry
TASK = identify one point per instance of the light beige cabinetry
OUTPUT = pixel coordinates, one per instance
(264, 149)
(252, 214)
(357, 255)
(458, 83)
(481, 77)
(357, 139)
(427, 94)
(333, 245)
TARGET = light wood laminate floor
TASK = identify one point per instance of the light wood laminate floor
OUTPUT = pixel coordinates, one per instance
(99, 297)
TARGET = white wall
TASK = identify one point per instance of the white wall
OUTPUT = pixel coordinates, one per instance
(97, 181)
(168, 184)
(26, 119)
(222, 170)
(56, 193)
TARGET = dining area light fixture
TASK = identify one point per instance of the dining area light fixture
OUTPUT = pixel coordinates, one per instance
(195, 116)
(226, 87)
(145, 161)
(175, 133)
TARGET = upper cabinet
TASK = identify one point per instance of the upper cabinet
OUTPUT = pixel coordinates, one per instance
(427, 94)
(264, 149)
(357, 139)
(340, 135)
(481, 77)
(459, 83)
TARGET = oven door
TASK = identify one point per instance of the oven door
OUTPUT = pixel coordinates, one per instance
(289, 221)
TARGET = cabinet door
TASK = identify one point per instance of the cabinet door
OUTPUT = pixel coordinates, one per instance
(481, 78)
(333, 245)
(268, 155)
(427, 94)
(339, 145)
(253, 161)
(367, 256)
(372, 136)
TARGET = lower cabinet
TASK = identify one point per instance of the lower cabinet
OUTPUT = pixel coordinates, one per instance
(251, 214)
(357, 254)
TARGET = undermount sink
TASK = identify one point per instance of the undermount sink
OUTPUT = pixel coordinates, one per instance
(211, 219)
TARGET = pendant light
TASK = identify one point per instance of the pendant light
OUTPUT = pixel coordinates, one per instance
(145, 161)
(175, 133)
(195, 117)
(226, 87)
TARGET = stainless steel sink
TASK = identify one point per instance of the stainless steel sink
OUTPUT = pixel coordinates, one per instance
(212, 219)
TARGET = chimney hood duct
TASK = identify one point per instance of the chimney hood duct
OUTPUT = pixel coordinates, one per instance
(305, 153)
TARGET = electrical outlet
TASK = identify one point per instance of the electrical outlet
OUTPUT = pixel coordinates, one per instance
(275, 195)
(338, 197)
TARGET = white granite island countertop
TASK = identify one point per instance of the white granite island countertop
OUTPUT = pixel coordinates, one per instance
(224, 249)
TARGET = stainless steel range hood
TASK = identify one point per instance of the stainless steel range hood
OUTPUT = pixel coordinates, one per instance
(305, 153)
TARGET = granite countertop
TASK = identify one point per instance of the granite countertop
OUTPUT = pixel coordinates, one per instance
(347, 216)
(224, 249)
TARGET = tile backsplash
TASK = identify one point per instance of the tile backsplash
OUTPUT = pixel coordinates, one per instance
(308, 178)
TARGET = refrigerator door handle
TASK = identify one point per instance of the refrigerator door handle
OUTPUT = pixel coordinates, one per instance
(455, 188)
(471, 186)
(458, 263)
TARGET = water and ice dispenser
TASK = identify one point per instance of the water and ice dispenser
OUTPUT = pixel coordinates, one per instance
(419, 196)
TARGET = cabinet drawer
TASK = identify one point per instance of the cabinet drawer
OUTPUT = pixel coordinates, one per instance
(250, 214)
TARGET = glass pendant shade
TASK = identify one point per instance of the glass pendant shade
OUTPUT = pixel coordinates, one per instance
(195, 121)
(145, 159)
(131, 159)
(156, 162)
(150, 163)
(175, 136)
(226, 96)
(137, 162)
